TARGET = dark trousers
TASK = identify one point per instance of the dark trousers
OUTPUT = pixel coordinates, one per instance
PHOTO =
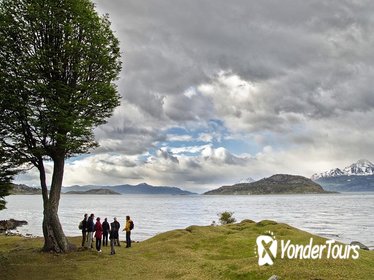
(98, 244)
(128, 239)
(105, 238)
(84, 238)
(117, 240)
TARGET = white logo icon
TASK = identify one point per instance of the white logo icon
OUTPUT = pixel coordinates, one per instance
(266, 249)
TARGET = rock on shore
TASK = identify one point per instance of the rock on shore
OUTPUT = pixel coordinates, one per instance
(362, 246)
(10, 224)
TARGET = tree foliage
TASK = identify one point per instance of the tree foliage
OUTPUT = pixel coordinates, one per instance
(226, 218)
(7, 172)
(58, 63)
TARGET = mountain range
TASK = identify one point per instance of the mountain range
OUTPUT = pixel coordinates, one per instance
(94, 191)
(130, 189)
(23, 189)
(362, 167)
(356, 177)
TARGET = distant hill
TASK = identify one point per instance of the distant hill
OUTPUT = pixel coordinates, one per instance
(23, 189)
(346, 183)
(94, 191)
(132, 189)
(357, 177)
(276, 184)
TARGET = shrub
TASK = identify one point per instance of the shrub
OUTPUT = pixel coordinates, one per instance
(226, 218)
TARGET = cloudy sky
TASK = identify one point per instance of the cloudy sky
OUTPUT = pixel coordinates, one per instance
(217, 91)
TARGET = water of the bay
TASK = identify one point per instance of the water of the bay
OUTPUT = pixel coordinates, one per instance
(345, 217)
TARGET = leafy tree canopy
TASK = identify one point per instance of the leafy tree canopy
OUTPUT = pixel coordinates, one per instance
(58, 60)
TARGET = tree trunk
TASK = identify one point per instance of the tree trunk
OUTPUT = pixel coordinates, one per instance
(54, 237)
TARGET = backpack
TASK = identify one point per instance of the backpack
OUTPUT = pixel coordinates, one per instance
(80, 226)
(131, 225)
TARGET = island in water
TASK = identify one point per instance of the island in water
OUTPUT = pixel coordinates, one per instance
(276, 184)
(94, 191)
(23, 189)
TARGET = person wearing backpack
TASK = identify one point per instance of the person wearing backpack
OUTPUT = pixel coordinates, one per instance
(129, 226)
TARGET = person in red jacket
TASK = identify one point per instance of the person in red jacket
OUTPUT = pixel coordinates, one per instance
(98, 234)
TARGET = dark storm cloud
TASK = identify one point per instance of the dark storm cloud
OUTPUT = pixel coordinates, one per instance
(313, 53)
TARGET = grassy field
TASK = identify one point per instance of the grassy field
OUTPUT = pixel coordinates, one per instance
(221, 252)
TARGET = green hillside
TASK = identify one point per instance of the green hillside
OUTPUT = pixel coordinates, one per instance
(222, 252)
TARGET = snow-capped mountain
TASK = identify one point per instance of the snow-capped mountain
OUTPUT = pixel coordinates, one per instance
(362, 167)
(246, 180)
(332, 173)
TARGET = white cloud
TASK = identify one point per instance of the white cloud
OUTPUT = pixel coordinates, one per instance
(205, 137)
(188, 149)
(190, 92)
(179, 138)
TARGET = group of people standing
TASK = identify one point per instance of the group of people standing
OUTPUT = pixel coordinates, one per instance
(101, 232)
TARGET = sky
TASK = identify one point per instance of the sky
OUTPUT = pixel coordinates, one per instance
(217, 91)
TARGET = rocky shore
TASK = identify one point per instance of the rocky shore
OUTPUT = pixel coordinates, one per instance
(10, 224)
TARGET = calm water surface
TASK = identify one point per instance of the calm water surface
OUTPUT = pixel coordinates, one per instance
(345, 217)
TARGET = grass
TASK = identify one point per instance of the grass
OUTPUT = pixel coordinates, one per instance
(223, 252)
